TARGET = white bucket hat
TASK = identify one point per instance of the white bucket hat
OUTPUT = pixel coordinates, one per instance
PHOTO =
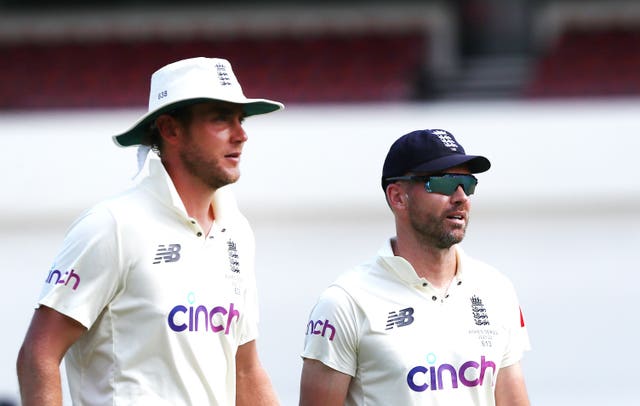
(192, 81)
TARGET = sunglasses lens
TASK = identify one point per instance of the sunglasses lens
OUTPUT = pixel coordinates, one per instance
(447, 184)
(470, 186)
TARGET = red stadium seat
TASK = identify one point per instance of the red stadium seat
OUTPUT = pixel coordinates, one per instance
(332, 67)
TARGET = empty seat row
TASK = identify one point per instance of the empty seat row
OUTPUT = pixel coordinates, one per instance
(115, 73)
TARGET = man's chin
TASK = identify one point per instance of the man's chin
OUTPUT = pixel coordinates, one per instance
(221, 181)
(451, 240)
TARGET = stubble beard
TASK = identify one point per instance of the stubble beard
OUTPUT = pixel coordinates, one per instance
(208, 170)
(432, 232)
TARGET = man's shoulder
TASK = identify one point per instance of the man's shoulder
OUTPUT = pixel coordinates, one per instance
(361, 283)
(356, 275)
(483, 273)
(115, 209)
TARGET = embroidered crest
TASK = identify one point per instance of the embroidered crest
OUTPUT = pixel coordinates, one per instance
(479, 311)
(447, 140)
(223, 75)
(234, 258)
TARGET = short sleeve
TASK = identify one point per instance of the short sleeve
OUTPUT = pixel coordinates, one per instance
(332, 332)
(86, 273)
(518, 337)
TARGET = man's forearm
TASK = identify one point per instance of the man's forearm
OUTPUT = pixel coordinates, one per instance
(254, 388)
(39, 382)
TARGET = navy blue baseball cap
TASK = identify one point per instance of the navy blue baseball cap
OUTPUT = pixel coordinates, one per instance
(428, 151)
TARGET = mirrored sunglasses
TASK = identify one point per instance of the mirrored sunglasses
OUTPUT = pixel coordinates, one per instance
(445, 184)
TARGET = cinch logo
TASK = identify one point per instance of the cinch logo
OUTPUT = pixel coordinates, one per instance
(319, 328)
(197, 318)
(56, 277)
(402, 318)
(437, 377)
(170, 253)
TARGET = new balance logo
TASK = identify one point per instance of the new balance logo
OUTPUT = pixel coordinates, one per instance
(400, 318)
(167, 253)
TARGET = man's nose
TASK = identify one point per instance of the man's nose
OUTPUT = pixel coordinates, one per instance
(459, 194)
(239, 134)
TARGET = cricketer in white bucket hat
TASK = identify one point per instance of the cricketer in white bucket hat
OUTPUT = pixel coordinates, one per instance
(191, 81)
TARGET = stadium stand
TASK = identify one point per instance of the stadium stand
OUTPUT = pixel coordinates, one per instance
(308, 54)
(586, 62)
(318, 54)
(114, 73)
(585, 49)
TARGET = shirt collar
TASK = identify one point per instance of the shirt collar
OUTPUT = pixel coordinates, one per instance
(403, 270)
(159, 183)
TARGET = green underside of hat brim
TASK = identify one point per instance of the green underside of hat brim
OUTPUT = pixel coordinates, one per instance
(135, 135)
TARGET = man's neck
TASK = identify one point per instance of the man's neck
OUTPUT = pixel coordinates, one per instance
(437, 265)
(196, 197)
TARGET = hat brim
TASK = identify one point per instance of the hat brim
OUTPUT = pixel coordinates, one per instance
(475, 163)
(136, 133)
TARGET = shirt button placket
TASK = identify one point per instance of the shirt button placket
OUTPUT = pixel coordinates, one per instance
(195, 225)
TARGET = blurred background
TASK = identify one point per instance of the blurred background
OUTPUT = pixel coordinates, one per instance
(549, 91)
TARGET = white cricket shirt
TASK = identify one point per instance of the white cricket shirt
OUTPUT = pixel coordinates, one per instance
(166, 306)
(405, 344)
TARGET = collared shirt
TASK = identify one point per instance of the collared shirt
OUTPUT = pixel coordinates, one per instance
(406, 343)
(165, 305)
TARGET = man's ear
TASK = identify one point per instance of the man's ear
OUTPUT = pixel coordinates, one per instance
(397, 196)
(168, 128)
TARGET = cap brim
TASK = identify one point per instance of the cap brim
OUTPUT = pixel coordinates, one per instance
(136, 133)
(475, 163)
